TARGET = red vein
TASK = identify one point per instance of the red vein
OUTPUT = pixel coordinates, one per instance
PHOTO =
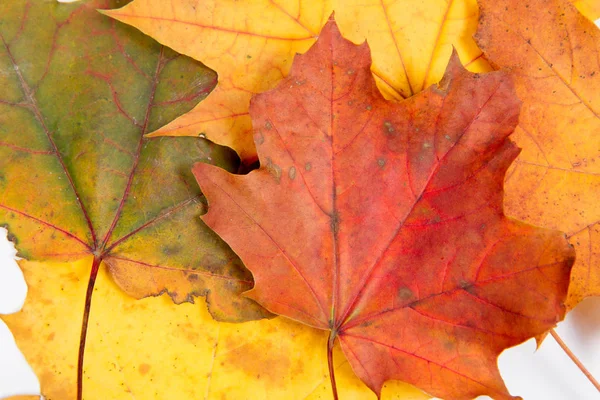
(198, 122)
(151, 221)
(281, 249)
(493, 390)
(473, 60)
(26, 150)
(195, 271)
(494, 279)
(474, 328)
(136, 161)
(334, 216)
(380, 258)
(299, 168)
(48, 224)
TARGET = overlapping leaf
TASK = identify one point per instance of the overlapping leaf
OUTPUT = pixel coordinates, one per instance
(556, 181)
(79, 93)
(77, 176)
(383, 222)
(149, 349)
(251, 46)
(589, 8)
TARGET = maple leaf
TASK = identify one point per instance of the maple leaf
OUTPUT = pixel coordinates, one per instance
(148, 349)
(589, 8)
(251, 46)
(383, 222)
(556, 181)
(78, 179)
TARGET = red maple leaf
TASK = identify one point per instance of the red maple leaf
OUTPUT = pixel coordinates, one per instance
(383, 222)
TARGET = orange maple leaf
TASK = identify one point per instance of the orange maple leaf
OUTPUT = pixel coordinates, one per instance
(383, 222)
(548, 47)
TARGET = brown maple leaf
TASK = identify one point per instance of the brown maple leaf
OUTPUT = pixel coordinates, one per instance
(383, 223)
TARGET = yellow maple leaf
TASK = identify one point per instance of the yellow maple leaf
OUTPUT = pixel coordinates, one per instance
(411, 44)
(150, 349)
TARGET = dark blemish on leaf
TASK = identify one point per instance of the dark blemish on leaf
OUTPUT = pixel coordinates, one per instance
(248, 56)
(259, 138)
(466, 286)
(436, 219)
(169, 250)
(292, 173)
(335, 222)
(381, 162)
(405, 293)
(268, 125)
(449, 345)
(192, 277)
(308, 166)
(274, 169)
(388, 127)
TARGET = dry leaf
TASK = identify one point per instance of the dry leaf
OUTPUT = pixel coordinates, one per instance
(79, 179)
(251, 46)
(149, 349)
(383, 222)
(555, 182)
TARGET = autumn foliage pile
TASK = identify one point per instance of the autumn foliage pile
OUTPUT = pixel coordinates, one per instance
(359, 220)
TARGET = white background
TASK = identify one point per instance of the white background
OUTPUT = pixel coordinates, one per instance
(547, 373)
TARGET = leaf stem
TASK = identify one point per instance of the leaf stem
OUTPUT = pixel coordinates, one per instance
(84, 324)
(579, 364)
(330, 343)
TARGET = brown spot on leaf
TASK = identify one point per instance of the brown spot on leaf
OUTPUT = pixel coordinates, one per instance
(259, 361)
(169, 250)
(292, 173)
(144, 369)
(388, 128)
(405, 293)
(274, 169)
(259, 138)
